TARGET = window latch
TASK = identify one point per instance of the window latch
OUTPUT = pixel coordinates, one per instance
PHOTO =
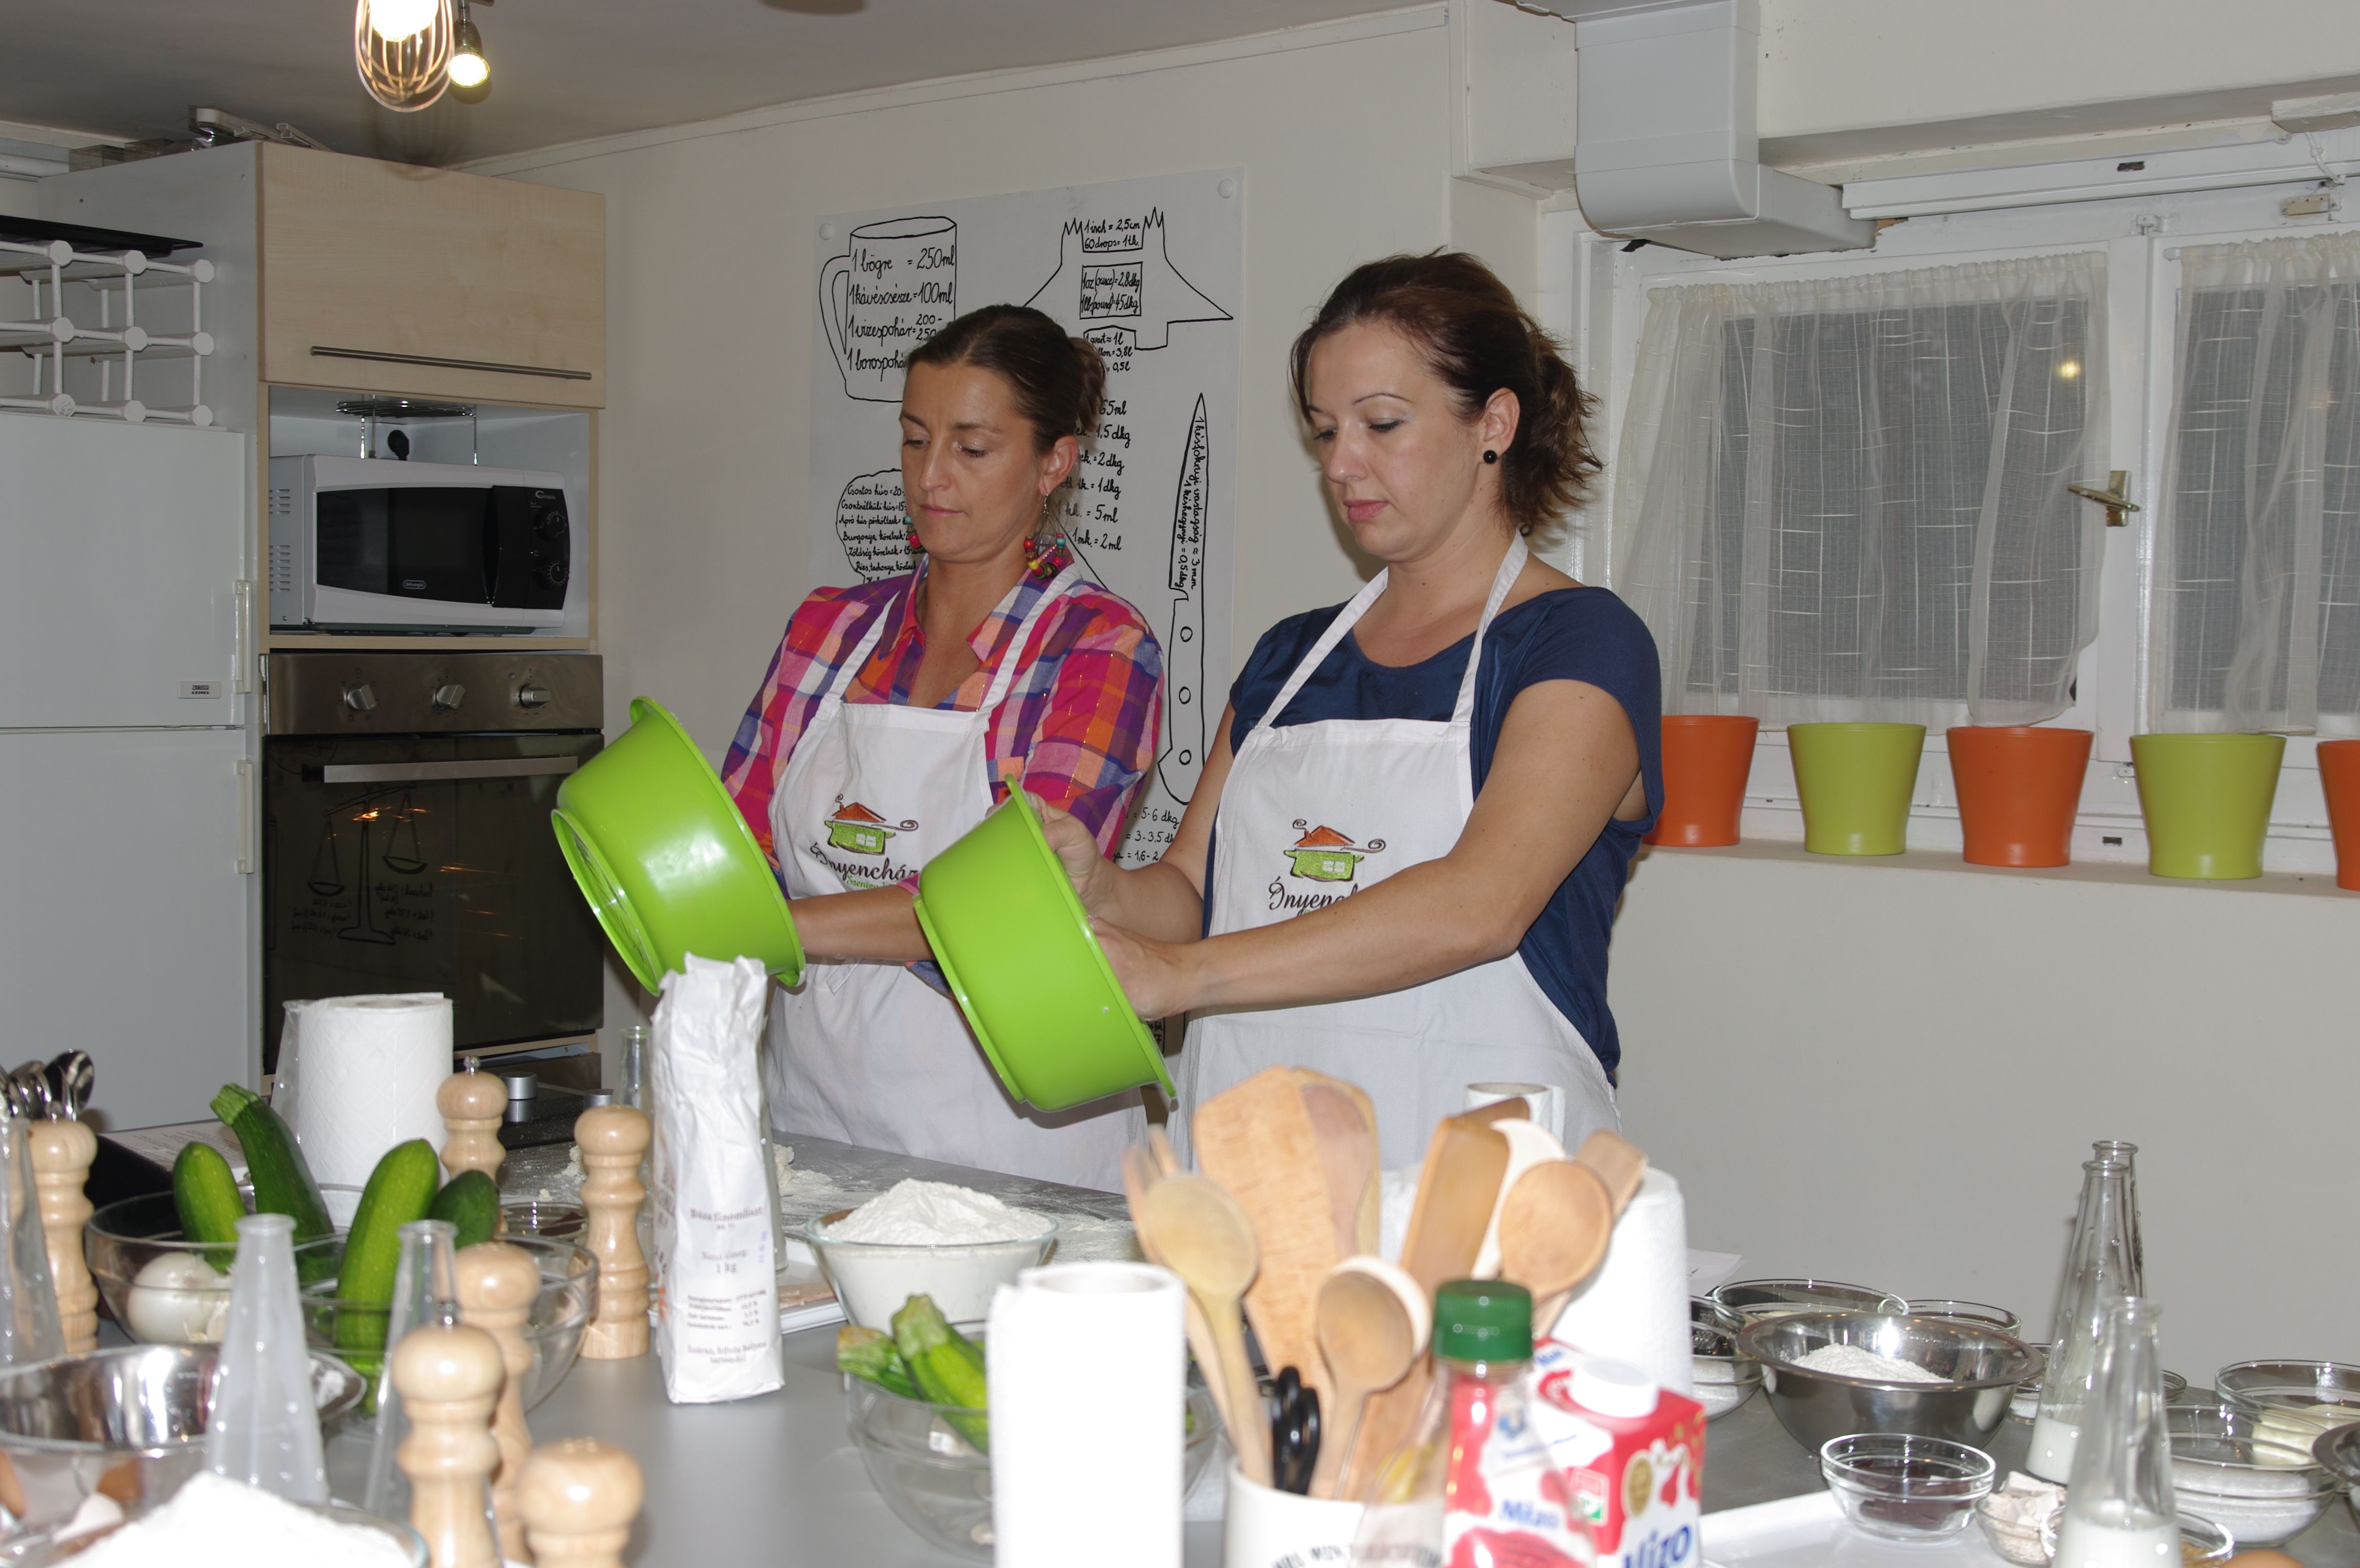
(2117, 504)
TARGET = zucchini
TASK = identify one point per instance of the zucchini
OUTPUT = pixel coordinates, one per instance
(471, 1201)
(205, 1195)
(867, 1354)
(948, 1368)
(274, 1162)
(401, 1189)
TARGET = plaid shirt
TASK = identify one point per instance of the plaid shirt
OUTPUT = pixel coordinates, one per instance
(1080, 721)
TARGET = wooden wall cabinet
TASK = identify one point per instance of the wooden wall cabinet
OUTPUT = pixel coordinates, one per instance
(427, 282)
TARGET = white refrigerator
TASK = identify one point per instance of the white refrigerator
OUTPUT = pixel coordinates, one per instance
(127, 917)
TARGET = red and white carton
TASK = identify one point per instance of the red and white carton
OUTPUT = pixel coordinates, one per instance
(1629, 1454)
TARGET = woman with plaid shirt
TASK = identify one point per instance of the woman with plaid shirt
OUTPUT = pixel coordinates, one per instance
(891, 721)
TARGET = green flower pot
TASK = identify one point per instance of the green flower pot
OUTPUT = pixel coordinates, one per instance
(1855, 781)
(2207, 802)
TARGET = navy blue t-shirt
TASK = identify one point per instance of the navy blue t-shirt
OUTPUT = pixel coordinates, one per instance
(1570, 634)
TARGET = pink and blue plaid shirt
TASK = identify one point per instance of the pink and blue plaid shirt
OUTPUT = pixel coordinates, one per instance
(1080, 721)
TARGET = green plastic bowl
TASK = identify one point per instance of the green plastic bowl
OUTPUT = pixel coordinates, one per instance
(1023, 966)
(668, 864)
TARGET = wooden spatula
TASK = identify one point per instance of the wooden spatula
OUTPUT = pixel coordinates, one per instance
(1346, 1126)
(1256, 1139)
(1455, 1194)
(1618, 1163)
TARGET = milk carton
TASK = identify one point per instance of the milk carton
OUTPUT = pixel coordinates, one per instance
(1631, 1456)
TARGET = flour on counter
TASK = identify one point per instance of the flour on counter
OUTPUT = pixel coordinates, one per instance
(934, 1214)
(214, 1522)
(1852, 1361)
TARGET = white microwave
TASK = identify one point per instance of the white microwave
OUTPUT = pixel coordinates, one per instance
(370, 545)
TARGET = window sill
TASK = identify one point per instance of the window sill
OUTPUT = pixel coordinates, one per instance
(2298, 883)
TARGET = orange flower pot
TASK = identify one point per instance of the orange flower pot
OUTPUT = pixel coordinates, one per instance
(1706, 759)
(2019, 787)
(2339, 776)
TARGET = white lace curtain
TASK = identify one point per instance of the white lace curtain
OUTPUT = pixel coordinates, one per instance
(2257, 605)
(1844, 497)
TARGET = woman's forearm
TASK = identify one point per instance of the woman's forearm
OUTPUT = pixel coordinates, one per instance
(1418, 925)
(873, 923)
(1156, 901)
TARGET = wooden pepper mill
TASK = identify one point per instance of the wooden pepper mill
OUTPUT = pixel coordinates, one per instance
(613, 1137)
(579, 1498)
(472, 1104)
(450, 1378)
(497, 1285)
(61, 1153)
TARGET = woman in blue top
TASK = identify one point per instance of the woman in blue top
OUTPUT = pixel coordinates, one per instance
(1401, 864)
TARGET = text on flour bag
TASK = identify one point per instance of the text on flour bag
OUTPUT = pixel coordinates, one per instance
(715, 1209)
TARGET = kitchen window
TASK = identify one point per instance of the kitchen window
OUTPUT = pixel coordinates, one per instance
(1838, 484)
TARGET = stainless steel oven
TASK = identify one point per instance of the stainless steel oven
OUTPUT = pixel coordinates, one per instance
(406, 838)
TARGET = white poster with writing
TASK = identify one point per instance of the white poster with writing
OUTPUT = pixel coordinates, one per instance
(1151, 270)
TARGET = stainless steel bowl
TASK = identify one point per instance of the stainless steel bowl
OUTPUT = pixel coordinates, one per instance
(1724, 1379)
(136, 1414)
(1752, 1299)
(1980, 1369)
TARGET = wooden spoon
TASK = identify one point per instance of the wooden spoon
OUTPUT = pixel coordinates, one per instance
(1554, 1225)
(1139, 1176)
(1373, 1326)
(1345, 1125)
(1203, 1235)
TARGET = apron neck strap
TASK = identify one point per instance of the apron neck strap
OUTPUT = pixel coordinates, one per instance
(1346, 619)
(1012, 657)
(851, 669)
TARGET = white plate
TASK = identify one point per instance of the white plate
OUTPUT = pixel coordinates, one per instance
(1810, 1532)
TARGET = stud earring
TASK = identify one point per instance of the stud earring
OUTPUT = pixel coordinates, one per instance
(1490, 456)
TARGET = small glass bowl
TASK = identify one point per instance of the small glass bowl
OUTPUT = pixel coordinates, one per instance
(1725, 1377)
(1897, 1488)
(2014, 1539)
(1754, 1299)
(1981, 1314)
(177, 1305)
(549, 1220)
(2299, 1401)
(2229, 1466)
(2200, 1541)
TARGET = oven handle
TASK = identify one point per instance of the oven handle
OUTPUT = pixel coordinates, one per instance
(422, 773)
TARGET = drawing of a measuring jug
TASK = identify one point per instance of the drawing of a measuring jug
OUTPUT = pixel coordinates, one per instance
(893, 289)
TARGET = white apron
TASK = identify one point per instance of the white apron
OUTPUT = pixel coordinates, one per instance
(1313, 813)
(868, 1053)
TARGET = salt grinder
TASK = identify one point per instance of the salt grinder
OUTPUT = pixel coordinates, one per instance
(612, 1138)
(449, 1378)
(472, 1104)
(61, 1153)
(579, 1498)
(497, 1285)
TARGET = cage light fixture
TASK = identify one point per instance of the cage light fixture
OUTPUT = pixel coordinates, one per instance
(402, 50)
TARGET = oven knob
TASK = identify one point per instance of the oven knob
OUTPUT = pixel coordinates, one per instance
(552, 573)
(447, 697)
(531, 696)
(551, 525)
(361, 698)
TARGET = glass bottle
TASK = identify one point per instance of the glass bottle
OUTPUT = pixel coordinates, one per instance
(29, 1330)
(2118, 1504)
(2099, 1267)
(2126, 1156)
(1482, 1343)
(631, 1079)
(264, 1428)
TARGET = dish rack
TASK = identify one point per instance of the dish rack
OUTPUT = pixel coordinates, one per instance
(105, 329)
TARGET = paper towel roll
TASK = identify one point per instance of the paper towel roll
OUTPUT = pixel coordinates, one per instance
(370, 1066)
(1635, 1308)
(1546, 1099)
(1088, 1364)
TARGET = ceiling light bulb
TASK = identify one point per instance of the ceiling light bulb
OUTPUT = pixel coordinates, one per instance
(394, 20)
(468, 66)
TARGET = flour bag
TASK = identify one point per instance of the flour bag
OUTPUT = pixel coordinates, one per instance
(716, 1220)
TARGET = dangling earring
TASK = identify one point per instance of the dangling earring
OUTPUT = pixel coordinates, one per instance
(1045, 555)
(1490, 456)
(917, 546)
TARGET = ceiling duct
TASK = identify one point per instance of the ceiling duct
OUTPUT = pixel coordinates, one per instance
(1666, 147)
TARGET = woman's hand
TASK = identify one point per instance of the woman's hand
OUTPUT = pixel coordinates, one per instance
(1090, 871)
(1158, 977)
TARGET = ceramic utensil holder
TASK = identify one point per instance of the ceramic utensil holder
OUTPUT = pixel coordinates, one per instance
(1265, 1528)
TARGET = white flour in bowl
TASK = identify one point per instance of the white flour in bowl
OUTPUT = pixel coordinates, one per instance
(936, 1214)
(214, 1522)
(1852, 1361)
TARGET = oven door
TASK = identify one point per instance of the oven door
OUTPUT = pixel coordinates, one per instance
(402, 863)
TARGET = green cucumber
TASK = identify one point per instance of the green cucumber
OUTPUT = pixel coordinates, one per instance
(274, 1162)
(205, 1195)
(401, 1189)
(948, 1368)
(471, 1201)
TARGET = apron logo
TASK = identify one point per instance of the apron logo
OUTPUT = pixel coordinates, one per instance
(859, 829)
(1322, 854)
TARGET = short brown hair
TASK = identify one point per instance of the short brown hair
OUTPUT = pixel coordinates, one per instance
(1474, 335)
(1058, 381)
